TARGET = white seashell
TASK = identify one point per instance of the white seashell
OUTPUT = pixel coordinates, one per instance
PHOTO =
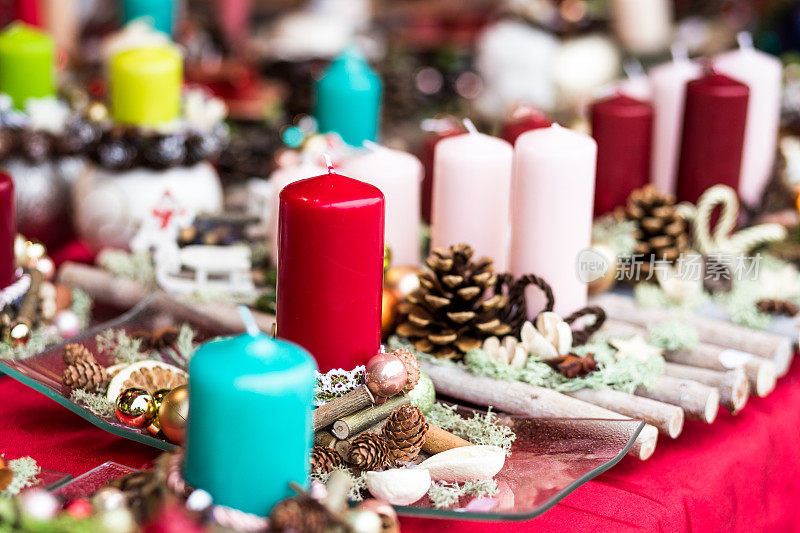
(519, 358)
(491, 345)
(502, 355)
(399, 486)
(524, 346)
(541, 348)
(510, 343)
(547, 324)
(564, 338)
(528, 332)
(470, 463)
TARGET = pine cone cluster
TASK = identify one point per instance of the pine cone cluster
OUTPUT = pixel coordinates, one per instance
(324, 459)
(661, 232)
(573, 366)
(450, 314)
(77, 352)
(774, 306)
(86, 375)
(295, 515)
(405, 432)
(411, 364)
(369, 451)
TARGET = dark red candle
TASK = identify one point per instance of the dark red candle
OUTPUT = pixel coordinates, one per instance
(524, 119)
(445, 128)
(8, 230)
(714, 119)
(330, 269)
(623, 129)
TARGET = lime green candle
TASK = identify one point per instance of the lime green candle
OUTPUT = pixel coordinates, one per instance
(146, 85)
(26, 63)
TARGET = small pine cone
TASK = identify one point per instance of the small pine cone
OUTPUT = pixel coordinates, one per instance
(85, 375)
(324, 459)
(77, 352)
(369, 452)
(298, 516)
(405, 432)
(412, 367)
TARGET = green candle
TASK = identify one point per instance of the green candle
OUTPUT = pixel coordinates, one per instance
(26, 63)
(146, 85)
(349, 99)
(249, 431)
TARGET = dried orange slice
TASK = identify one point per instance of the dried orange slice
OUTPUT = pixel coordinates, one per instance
(148, 375)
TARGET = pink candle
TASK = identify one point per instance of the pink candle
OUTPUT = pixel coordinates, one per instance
(551, 213)
(330, 269)
(762, 74)
(8, 230)
(399, 177)
(472, 195)
(279, 179)
(669, 94)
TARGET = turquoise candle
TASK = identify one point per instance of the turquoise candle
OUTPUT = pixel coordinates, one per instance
(348, 99)
(160, 13)
(249, 431)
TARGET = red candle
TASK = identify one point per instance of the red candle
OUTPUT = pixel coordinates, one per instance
(524, 119)
(714, 119)
(623, 129)
(330, 269)
(445, 128)
(8, 230)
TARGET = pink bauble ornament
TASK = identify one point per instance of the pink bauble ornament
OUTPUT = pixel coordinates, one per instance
(79, 508)
(67, 324)
(385, 375)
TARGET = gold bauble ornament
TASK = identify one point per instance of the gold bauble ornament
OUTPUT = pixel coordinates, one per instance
(609, 278)
(173, 413)
(401, 280)
(389, 304)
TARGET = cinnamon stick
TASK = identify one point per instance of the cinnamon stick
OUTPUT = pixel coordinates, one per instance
(776, 348)
(438, 440)
(353, 401)
(666, 417)
(522, 399)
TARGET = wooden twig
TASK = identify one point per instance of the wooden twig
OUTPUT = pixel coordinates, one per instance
(351, 424)
(731, 384)
(698, 401)
(519, 398)
(353, 401)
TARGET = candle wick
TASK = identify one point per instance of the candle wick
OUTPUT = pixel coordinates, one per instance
(745, 40)
(249, 320)
(328, 163)
(470, 126)
(679, 51)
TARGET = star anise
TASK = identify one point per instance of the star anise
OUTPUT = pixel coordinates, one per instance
(572, 365)
(774, 306)
(158, 338)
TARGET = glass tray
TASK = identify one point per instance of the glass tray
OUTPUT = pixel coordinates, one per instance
(42, 372)
(549, 459)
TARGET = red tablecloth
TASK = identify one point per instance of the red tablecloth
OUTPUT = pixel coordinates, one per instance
(739, 474)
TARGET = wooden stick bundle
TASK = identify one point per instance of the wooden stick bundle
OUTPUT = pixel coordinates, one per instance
(355, 400)
(698, 401)
(770, 346)
(732, 384)
(351, 424)
(519, 398)
(760, 372)
(666, 417)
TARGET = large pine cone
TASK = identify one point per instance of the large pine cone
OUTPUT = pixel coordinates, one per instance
(77, 352)
(661, 232)
(405, 432)
(324, 459)
(411, 365)
(449, 314)
(298, 516)
(369, 452)
(84, 375)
